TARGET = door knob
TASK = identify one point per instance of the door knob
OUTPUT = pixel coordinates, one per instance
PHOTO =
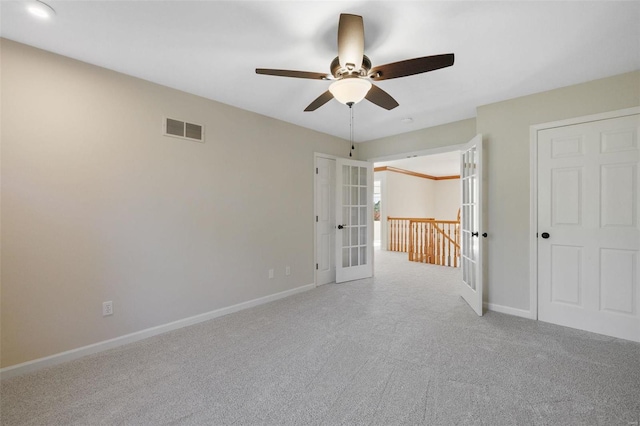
(341, 226)
(545, 235)
(484, 234)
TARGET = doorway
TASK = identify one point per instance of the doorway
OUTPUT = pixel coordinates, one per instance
(343, 210)
(421, 185)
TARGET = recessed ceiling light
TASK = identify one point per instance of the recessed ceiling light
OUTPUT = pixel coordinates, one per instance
(407, 120)
(40, 9)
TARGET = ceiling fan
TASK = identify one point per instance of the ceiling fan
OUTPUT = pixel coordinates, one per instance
(351, 70)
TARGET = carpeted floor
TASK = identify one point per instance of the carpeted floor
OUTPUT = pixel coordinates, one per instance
(401, 348)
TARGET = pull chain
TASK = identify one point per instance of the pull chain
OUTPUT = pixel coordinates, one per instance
(351, 129)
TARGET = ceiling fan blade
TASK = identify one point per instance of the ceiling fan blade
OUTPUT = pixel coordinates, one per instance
(350, 41)
(411, 67)
(381, 98)
(320, 100)
(295, 74)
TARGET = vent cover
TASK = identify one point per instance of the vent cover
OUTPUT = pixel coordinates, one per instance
(182, 129)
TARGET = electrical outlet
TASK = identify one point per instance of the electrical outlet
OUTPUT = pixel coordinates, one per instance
(107, 308)
(271, 274)
(287, 270)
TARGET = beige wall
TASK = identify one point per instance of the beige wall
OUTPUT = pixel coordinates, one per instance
(447, 199)
(505, 128)
(97, 205)
(430, 138)
(407, 196)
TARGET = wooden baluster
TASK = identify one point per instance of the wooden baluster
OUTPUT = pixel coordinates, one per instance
(440, 250)
(444, 246)
(411, 241)
(449, 245)
(408, 225)
(416, 226)
(427, 243)
(436, 244)
(395, 235)
(423, 233)
(432, 242)
(422, 245)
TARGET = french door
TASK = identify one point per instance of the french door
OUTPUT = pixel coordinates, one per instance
(470, 287)
(354, 220)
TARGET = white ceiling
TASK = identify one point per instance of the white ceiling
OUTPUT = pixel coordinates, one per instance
(211, 48)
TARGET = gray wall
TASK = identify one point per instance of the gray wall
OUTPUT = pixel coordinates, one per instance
(97, 205)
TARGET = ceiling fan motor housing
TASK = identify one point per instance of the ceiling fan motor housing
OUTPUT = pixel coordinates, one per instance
(338, 72)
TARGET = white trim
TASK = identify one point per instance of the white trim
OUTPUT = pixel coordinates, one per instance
(533, 223)
(37, 364)
(533, 181)
(507, 310)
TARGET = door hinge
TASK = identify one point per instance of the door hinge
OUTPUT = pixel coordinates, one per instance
(316, 266)
(316, 170)
(316, 218)
(536, 235)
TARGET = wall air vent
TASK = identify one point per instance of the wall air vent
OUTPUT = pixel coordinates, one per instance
(183, 130)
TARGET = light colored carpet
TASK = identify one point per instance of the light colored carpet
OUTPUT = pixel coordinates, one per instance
(401, 348)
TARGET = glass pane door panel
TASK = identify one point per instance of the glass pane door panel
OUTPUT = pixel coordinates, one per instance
(354, 256)
(363, 176)
(354, 176)
(354, 216)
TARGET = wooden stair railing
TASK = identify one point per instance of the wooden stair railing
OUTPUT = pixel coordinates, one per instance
(426, 240)
(434, 241)
(398, 233)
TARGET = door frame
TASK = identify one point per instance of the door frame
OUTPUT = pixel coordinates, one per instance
(317, 155)
(401, 156)
(533, 192)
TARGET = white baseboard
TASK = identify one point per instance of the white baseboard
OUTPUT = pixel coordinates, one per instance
(507, 310)
(37, 364)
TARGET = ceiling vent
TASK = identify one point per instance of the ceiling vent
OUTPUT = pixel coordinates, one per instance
(183, 130)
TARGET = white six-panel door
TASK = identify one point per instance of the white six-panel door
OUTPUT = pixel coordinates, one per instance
(589, 235)
(354, 219)
(325, 220)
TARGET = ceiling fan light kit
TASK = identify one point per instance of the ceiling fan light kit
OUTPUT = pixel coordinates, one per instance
(352, 73)
(350, 90)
